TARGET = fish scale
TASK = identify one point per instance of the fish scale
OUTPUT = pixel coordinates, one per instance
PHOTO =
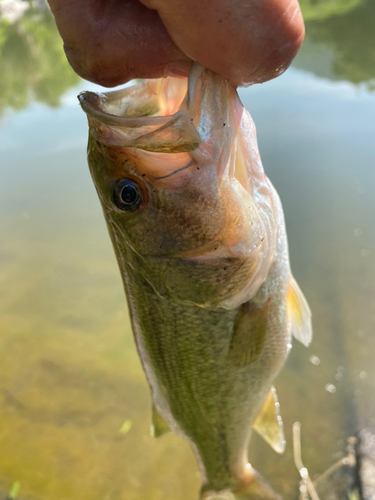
(188, 351)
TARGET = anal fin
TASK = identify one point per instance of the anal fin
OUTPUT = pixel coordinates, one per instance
(300, 314)
(269, 423)
(159, 426)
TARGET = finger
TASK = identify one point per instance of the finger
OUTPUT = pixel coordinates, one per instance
(112, 41)
(245, 41)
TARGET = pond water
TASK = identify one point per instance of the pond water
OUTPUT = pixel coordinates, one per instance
(74, 402)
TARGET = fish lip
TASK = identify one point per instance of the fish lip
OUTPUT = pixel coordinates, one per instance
(139, 117)
(94, 103)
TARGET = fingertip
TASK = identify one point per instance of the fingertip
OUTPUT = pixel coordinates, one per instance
(292, 32)
(283, 39)
(98, 68)
(248, 41)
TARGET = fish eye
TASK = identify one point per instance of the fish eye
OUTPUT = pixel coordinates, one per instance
(128, 195)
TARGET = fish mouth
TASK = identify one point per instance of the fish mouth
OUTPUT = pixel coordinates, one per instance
(142, 99)
(149, 115)
(207, 201)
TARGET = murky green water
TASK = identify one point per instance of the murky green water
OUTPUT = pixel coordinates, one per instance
(74, 403)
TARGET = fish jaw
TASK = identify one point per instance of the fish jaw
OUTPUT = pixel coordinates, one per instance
(145, 116)
(208, 208)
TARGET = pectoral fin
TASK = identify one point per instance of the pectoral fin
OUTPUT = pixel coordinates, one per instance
(249, 333)
(300, 314)
(159, 426)
(269, 423)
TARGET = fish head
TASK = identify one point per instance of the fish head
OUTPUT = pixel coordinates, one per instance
(178, 174)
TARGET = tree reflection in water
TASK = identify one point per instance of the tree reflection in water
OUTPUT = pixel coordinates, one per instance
(342, 33)
(32, 61)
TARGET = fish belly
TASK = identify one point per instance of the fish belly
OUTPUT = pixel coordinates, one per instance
(198, 386)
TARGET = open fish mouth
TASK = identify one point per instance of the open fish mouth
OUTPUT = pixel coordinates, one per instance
(171, 115)
(205, 195)
(145, 116)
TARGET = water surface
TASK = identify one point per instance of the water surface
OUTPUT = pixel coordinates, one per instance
(74, 403)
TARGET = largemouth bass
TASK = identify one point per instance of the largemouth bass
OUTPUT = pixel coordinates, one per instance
(199, 235)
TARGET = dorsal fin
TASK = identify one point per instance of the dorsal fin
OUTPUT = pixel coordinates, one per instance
(269, 423)
(300, 314)
(159, 426)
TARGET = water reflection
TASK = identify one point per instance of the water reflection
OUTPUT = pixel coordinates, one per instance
(315, 10)
(339, 46)
(74, 403)
(32, 61)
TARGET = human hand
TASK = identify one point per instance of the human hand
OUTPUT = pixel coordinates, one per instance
(112, 41)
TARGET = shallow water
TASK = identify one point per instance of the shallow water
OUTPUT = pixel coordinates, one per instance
(74, 403)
